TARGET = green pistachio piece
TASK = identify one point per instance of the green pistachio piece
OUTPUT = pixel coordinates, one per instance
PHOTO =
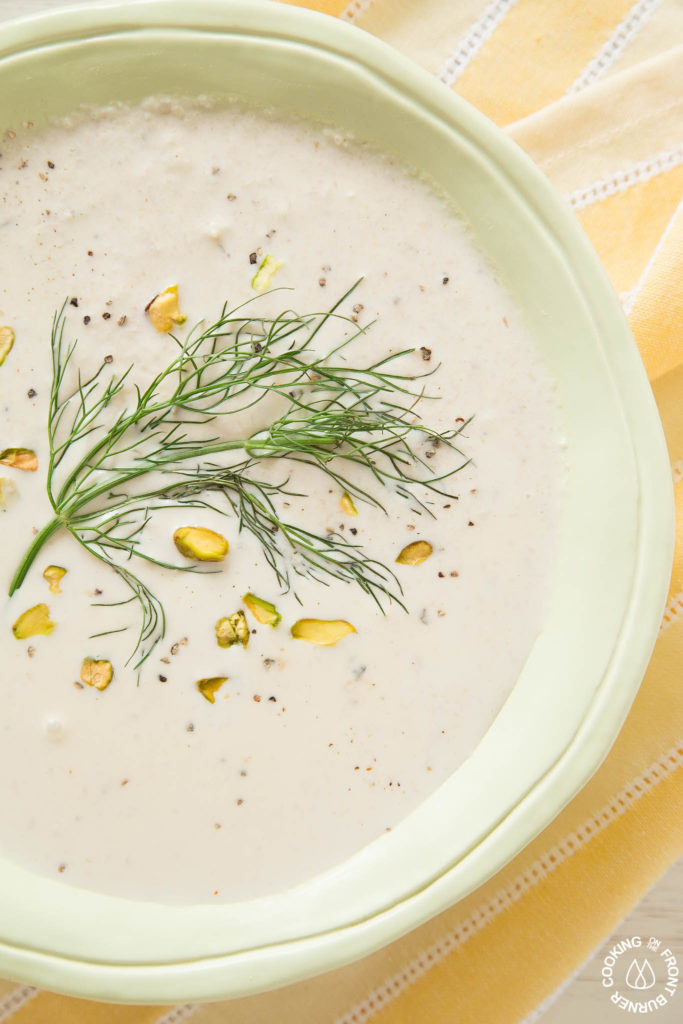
(323, 632)
(200, 543)
(263, 611)
(163, 310)
(268, 267)
(232, 629)
(415, 553)
(347, 504)
(208, 687)
(19, 458)
(6, 342)
(53, 574)
(34, 622)
(96, 673)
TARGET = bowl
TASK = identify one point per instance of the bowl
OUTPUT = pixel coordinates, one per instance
(616, 529)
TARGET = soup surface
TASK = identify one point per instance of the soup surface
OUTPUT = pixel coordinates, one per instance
(292, 756)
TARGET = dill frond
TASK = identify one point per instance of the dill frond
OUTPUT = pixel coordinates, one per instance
(165, 449)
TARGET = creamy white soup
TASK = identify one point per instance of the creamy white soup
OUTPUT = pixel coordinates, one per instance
(241, 746)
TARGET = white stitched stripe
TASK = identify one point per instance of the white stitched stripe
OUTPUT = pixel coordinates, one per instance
(672, 612)
(616, 44)
(627, 300)
(15, 1000)
(178, 1014)
(634, 295)
(469, 46)
(355, 9)
(622, 180)
(504, 898)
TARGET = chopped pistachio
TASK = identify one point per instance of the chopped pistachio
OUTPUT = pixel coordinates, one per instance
(415, 553)
(208, 687)
(347, 504)
(19, 458)
(6, 342)
(268, 267)
(232, 629)
(53, 574)
(323, 632)
(163, 310)
(96, 673)
(34, 622)
(8, 492)
(200, 543)
(263, 611)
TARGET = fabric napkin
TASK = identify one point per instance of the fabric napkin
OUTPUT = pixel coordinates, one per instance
(594, 94)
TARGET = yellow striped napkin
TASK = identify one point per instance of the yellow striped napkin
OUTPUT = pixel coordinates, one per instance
(593, 92)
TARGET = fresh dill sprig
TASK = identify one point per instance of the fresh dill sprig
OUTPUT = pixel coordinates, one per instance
(123, 466)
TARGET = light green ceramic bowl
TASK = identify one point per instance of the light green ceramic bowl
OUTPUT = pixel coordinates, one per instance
(616, 529)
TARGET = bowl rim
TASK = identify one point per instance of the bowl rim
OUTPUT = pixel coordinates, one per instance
(252, 970)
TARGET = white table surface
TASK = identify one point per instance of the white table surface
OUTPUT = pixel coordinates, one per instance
(659, 914)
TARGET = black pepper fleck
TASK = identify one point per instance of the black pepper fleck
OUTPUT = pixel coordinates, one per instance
(441, 575)
(32, 393)
(86, 319)
(108, 359)
(73, 302)
(273, 699)
(253, 258)
(353, 530)
(163, 679)
(51, 165)
(445, 280)
(426, 353)
(106, 316)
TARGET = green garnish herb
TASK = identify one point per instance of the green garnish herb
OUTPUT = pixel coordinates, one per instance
(133, 450)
